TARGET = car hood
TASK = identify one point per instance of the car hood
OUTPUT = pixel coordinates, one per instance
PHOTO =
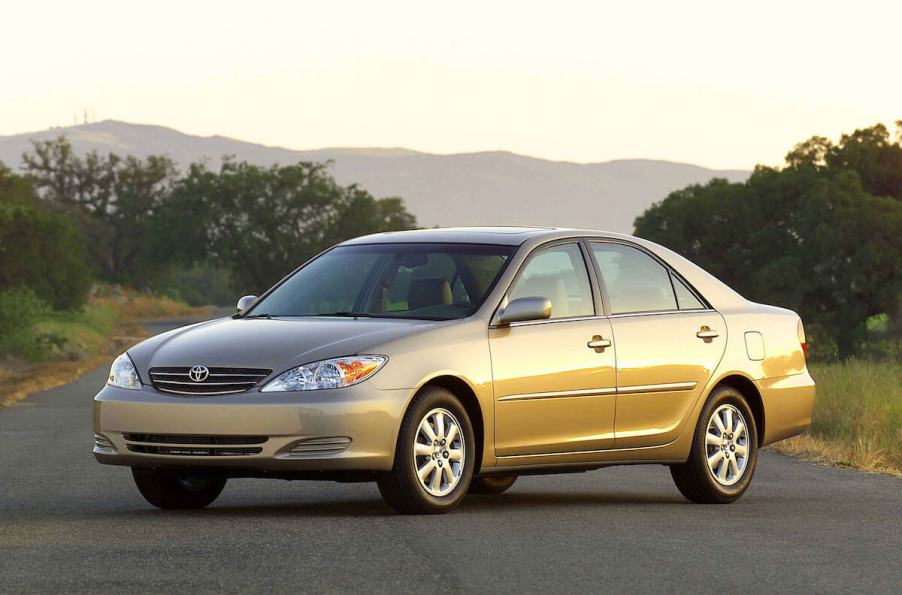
(276, 344)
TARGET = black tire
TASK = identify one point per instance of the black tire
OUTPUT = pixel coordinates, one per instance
(173, 491)
(401, 487)
(694, 479)
(492, 484)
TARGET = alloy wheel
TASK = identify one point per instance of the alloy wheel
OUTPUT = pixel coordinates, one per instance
(727, 446)
(439, 452)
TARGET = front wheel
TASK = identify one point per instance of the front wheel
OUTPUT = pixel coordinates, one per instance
(434, 457)
(174, 491)
(724, 451)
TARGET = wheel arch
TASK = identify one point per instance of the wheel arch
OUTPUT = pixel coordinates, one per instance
(463, 391)
(748, 389)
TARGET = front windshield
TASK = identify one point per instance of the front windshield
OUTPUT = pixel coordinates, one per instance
(427, 281)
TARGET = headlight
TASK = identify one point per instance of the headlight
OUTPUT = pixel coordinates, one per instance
(329, 373)
(123, 373)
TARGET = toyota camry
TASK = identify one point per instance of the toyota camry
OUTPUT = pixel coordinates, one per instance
(450, 361)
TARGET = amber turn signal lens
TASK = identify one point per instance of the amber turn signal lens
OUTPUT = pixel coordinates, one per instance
(355, 370)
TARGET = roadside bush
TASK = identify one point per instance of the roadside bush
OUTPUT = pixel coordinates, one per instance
(20, 312)
(39, 248)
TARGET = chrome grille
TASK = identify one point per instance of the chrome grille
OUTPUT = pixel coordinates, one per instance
(221, 381)
(193, 439)
(194, 451)
(194, 445)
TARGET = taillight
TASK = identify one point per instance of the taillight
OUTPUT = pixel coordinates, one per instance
(800, 330)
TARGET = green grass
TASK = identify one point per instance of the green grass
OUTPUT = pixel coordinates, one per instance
(857, 416)
(82, 333)
(40, 348)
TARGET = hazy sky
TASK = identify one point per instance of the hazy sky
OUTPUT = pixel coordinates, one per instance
(722, 84)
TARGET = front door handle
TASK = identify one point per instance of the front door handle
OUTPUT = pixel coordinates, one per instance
(707, 333)
(598, 343)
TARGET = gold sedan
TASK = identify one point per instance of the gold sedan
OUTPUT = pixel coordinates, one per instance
(446, 361)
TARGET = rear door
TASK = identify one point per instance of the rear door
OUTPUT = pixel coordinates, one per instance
(668, 343)
(553, 392)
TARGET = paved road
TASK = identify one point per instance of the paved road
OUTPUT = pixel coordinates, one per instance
(69, 524)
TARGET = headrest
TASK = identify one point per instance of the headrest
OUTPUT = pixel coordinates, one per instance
(546, 286)
(423, 293)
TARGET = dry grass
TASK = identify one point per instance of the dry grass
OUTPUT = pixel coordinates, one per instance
(857, 417)
(108, 324)
(836, 454)
(130, 305)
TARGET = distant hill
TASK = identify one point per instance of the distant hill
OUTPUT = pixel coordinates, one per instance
(498, 188)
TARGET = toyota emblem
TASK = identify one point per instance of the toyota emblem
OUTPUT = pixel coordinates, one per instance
(199, 373)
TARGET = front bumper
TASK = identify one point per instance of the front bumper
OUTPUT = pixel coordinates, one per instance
(348, 429)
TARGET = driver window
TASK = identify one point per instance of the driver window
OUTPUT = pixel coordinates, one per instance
(559, 274)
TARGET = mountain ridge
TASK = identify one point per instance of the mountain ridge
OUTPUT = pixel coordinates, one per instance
(482, 187)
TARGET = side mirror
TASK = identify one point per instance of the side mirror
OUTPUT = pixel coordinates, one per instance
(528, 308)
(246, 302)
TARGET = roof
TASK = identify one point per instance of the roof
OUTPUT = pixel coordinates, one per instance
(508, 236)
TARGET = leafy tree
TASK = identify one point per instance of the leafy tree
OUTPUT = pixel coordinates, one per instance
(811, 237)
(260, 223)
(869, 152)
(145, 226)
(113, 199)
(39, 249)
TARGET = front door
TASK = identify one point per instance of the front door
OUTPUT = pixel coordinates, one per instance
(668, 344)
(553, 391)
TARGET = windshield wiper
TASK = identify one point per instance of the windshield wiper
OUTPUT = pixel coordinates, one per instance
(266, 316)
(346, 314)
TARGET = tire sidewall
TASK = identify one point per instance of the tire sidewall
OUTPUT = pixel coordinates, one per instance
(724, 396)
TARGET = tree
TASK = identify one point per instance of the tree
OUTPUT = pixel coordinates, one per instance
(113, 200)
(869, 152)
(39, 249)
(808, 237)
(260, 223)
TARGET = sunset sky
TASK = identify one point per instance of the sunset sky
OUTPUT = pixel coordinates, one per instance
(720, 84)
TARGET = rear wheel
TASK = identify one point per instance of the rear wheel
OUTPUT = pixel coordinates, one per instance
(434, 458)
(492, 484)
(724, 451)
(170, 490)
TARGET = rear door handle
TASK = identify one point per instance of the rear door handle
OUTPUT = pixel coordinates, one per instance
(598, 343)
(707, 333)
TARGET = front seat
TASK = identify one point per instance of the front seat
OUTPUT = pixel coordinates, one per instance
(424, 293)
(545, 286)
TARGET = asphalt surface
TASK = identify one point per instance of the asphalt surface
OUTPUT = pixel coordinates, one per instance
(70, 524)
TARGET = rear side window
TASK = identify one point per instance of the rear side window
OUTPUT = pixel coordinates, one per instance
(635, 281)
(685, 298)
